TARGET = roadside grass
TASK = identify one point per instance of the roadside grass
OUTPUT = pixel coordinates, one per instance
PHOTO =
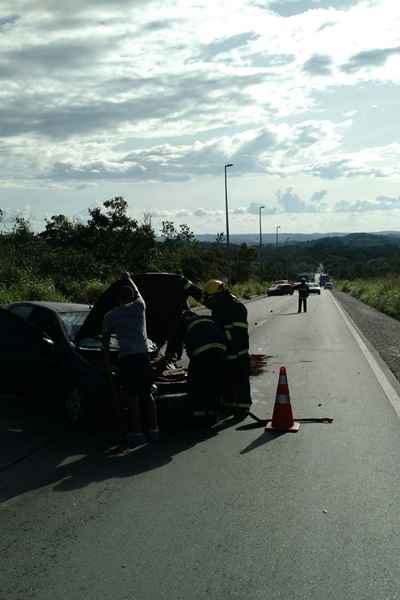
(382, 293)
(250, 288)
(43, 289)
(85, 292)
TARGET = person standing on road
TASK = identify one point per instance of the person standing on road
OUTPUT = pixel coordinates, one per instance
(205, 346)
(303, 292)
(231, 314)
(128, 323)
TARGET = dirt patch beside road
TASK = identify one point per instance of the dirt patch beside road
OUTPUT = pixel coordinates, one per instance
(382, 331)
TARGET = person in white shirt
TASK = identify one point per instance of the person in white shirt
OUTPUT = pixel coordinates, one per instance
(128, 323)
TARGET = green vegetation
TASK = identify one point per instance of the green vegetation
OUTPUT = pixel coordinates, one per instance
(250, 288)
(245, 290)
(76, 261)
(73, 261)
(383, 293)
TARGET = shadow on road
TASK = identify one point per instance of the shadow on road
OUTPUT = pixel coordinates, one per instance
(22, 432)
(250, 426)
(70, 461)
(264, 438)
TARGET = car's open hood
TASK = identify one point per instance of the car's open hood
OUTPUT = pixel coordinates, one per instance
(165, 295)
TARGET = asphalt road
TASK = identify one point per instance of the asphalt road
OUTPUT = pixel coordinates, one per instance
(229, 513)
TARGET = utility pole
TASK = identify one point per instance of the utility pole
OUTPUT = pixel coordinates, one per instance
(260, 209)
(276, 235)
(226, 205)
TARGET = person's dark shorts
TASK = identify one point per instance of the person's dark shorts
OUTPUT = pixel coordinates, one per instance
(135, 373)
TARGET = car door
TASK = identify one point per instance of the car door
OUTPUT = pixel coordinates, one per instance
(26, 357)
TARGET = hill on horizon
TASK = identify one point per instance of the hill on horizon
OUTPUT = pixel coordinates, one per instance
(253, 239)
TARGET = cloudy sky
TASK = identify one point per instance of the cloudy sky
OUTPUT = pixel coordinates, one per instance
(149, 99)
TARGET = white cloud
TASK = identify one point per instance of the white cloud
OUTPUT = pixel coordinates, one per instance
(381, 203)
(165, 92)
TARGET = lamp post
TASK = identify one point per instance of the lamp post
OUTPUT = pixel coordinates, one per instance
(276, 235)
(260, 209)
(226, 205)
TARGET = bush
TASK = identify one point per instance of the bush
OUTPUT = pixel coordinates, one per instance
(90, 291)
(249, 289)
(382, 293)
(42, 289)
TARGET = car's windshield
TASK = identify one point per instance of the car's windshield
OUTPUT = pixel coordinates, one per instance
(73, 322)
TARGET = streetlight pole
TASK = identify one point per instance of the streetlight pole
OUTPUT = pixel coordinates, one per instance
(226, 205)
(260, 209)
(277, 233)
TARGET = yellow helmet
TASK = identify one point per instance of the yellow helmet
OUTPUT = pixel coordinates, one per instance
(214, 286)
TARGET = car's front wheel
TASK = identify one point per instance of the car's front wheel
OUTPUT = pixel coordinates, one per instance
(75, 407)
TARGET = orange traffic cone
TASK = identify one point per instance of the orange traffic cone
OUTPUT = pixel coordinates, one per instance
(282, 417)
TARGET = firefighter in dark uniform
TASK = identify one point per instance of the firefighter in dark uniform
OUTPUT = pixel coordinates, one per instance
(231, 314)
(205, 346)
(303, 292)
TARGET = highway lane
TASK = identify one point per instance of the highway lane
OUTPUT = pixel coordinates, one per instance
(228, 513)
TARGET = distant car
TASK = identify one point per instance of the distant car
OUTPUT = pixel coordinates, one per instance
(328, 285)
(280, 288)
(314, 288)
(323, 278)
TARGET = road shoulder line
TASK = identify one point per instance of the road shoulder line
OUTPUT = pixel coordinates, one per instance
(384, 375)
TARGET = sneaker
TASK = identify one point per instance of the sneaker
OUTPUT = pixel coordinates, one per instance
(153, 435)
(135, 439)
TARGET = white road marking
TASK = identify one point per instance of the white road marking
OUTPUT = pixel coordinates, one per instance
(390, 392)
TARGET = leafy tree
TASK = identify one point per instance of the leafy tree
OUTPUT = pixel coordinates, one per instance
(60, 231)
(22, 229)
(168, 231)
(185, 234)
(244, 262)
(112, 216)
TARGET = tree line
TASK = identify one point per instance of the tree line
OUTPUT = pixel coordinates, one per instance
(74, 260)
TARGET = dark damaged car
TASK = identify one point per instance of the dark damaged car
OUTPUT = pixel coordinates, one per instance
(280, 288)
(52, 352)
